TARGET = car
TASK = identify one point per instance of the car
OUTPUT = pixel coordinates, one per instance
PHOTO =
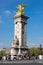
(19, 57)
(14, 57)
(32, 58)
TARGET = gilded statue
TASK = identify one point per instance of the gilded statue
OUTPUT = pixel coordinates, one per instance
(20, 9)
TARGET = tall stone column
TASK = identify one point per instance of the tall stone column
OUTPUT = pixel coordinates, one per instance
(20, 21)
(20, 30)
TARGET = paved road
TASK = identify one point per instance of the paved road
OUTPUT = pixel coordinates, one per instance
(24, 62)
(21, 64)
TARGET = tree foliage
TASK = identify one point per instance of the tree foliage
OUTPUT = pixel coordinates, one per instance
(2, 53)
(35, 51)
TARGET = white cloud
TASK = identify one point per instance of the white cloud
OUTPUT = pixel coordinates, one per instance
(7, 12)
(30, 45)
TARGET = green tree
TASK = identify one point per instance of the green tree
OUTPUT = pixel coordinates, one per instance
(33, 51)
(2, 52)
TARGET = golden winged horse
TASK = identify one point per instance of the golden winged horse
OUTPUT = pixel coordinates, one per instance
(20, 9)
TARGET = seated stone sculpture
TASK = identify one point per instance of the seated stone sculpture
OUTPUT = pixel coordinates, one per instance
(16, 41)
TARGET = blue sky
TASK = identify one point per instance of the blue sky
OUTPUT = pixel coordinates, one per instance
(34, 10)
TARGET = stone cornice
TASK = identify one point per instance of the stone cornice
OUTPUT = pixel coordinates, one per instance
(22, 16)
